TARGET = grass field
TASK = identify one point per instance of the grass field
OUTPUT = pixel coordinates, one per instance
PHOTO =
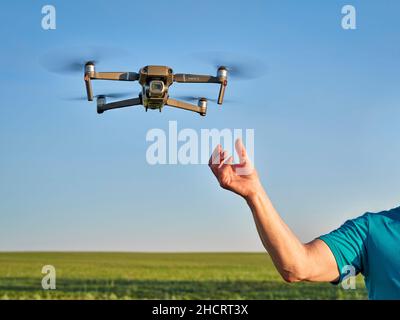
(157, 276)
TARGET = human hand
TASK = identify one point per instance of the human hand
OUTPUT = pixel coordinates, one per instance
(241, 178)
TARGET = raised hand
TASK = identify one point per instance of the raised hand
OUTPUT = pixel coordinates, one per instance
(240, 178)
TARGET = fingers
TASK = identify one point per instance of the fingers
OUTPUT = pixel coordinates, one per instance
(219, 159)
(224, 155)
(215, 159)
(241, 151)
(245, 167)
(219, 156)
(229, 160)
(215, 156)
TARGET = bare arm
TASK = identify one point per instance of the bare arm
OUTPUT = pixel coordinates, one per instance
(294, 260)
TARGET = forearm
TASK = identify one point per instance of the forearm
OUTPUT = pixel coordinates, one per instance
(295, 261)
(287, 252)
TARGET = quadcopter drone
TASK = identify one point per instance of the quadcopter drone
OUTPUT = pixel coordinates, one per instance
(155, 82)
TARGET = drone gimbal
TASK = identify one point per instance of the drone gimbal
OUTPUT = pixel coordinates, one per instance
(155, 82)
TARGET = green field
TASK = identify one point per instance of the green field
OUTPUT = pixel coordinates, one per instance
(157, 276)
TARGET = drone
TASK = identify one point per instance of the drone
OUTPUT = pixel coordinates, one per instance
(155, 82)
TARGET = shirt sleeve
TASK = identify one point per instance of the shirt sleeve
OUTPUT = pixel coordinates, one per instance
(348, 244)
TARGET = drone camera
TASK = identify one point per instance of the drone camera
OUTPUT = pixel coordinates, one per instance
(156, 88)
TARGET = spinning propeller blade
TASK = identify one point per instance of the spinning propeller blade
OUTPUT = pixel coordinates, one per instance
(196, 99)
(110, 95)
(239, 67)
(73, 60)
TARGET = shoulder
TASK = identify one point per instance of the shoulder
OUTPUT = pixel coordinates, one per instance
(392, 214)
(360, 227)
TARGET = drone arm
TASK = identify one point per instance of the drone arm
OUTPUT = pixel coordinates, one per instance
(195, 78)
(186, 106)
(118, 104)
(118, 76)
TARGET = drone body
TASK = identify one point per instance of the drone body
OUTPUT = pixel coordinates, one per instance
(155, 82)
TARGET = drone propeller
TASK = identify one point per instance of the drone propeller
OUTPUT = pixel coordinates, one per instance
(73, 65)
(110, 95)
(194, 98)
(239, 67)
(73, 60)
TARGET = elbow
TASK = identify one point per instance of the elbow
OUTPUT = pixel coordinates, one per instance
(290, 278)
(293, 275)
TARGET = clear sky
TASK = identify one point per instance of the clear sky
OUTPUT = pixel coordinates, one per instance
(326, 119)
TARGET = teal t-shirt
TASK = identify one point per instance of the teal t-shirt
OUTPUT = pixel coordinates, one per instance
(371, 244)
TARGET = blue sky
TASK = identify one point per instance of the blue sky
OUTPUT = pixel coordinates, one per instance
(325, 118)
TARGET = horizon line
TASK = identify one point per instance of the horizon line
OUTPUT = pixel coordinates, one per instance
(124, 251)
